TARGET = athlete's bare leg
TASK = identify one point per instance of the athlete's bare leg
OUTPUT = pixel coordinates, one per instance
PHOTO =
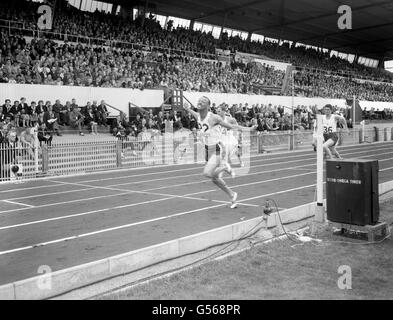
(314, 143)
(335, 152)
(225, 165)
(326, 147)
(212, 170)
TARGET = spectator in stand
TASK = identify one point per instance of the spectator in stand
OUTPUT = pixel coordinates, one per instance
(3, 79)
(57, 107)
(50, 121)
(33, 114)
(94, 107)
(44, 135)
(103, 113)
(137, 123)
(25, 118)
(117, 128)
(65, 114)
(90, 119)
(125, 122)
(16, 112)
(74, 105)
(2, 116)
(76, 119)
(160, 121)
(40, 108)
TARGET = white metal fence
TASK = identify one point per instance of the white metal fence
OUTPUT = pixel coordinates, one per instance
(19, 161)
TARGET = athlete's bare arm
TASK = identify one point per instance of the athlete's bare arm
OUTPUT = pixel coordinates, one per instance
(218, 120)
(232, 121)
(187, 107)
(342, 120)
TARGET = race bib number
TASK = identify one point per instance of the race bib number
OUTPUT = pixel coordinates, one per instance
(327, 129)
(203, 127)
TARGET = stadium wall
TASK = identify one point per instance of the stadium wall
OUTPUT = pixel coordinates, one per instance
(117, 97)
(120, 97)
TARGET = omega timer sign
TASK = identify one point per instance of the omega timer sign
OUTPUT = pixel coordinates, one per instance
(352, 191)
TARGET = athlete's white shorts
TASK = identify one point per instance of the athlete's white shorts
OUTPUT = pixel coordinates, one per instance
(231, 145)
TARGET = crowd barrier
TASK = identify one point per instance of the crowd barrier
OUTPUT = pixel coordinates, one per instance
(78, 155)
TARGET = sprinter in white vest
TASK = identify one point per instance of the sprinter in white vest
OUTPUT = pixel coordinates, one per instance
(330, 133)
(231, 143)
(210, 126)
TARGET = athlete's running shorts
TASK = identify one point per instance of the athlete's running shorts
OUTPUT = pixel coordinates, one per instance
(210, 150)
(332, 135)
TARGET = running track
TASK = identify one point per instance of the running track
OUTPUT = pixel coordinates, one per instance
(68, 221)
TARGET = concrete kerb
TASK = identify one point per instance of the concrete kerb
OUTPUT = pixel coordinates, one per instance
(7, 292)
(51, 284)
(75, 277)
(385, 190)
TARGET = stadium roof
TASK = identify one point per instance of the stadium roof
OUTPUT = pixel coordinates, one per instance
(312, 22)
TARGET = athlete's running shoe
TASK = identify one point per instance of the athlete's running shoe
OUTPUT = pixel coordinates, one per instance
(233, 200)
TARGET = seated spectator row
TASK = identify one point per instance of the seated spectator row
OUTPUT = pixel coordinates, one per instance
(22, 114)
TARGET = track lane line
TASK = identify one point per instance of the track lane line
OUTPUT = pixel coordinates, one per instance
(166, 197)
(144, 191)
(140, 223)
(106, 230)
(18, 203)
(198, 174)
(197, 167)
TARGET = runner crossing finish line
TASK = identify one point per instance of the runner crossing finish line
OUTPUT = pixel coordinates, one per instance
(211, 127)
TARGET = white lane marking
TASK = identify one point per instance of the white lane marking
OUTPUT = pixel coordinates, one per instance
(142, 222)
(198, 168)
(51, 193)
(89, 187)
(18, 203)
(130, 191)
(167, 197)
(124, 226)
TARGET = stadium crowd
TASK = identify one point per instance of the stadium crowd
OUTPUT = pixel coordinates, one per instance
(155, 59)
(52, 117)
(318, 84)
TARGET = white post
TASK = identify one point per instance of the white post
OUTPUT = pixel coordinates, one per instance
(320, 213)
(363, 130)
(292, 146)
(354, 110)
(36, 146)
